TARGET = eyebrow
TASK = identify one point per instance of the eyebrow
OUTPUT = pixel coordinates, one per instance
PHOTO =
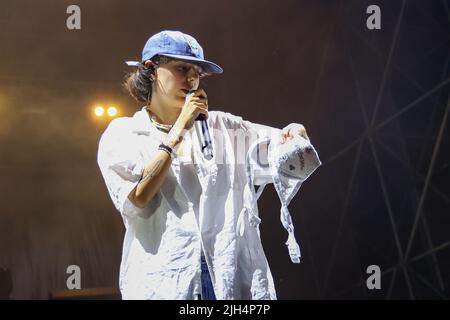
(190, 64)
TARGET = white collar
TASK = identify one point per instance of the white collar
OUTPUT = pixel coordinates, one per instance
(141, 123)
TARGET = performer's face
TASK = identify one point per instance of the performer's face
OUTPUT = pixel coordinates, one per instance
(174, 79)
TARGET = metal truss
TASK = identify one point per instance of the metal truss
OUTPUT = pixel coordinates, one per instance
(421, 185)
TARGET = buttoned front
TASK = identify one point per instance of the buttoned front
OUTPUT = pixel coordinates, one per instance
(164, 241)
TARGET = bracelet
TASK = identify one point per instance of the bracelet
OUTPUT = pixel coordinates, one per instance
(166, 148)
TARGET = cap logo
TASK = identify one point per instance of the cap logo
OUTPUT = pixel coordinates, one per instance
(193, 46)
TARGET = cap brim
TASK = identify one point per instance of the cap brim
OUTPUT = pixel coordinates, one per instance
(132, 63)
(208, 66)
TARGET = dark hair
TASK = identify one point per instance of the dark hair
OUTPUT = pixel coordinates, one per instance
(138, 83)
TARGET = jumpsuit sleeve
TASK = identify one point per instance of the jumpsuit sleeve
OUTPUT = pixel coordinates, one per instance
(121, 165)
(246, 135)
(260, 137)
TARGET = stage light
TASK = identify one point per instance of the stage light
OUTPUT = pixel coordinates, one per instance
(99, 111)
(112, 111)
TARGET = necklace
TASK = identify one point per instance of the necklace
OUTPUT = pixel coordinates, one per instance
(162, 127)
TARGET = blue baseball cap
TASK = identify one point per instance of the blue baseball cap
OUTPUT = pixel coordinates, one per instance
(178, 45)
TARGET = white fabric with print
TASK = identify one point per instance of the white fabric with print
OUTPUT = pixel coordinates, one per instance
(288, 165)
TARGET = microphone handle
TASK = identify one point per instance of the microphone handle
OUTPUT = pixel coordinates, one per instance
(201, 127)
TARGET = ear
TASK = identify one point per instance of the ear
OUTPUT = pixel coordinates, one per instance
(149, 63)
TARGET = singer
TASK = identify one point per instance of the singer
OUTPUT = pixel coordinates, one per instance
(187, 234)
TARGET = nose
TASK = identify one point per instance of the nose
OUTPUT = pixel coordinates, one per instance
(192, 74)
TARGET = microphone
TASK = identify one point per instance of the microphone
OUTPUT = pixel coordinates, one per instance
(204, 139)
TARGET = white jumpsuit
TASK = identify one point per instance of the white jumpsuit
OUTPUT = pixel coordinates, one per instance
(164, 241)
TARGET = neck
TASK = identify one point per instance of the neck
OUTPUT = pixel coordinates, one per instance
(164, 114)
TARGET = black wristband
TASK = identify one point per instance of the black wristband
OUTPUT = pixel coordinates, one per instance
(166, 148)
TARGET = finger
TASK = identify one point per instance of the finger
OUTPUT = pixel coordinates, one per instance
(200, 99)
(201, 107)
(303, 133)
(200, 93)
(290, 134)
(285, 134)
(203, 111)
(201, 104)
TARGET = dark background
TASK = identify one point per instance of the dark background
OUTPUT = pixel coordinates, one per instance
(374, 103)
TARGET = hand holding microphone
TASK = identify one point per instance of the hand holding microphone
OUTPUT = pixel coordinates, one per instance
(195, 111)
